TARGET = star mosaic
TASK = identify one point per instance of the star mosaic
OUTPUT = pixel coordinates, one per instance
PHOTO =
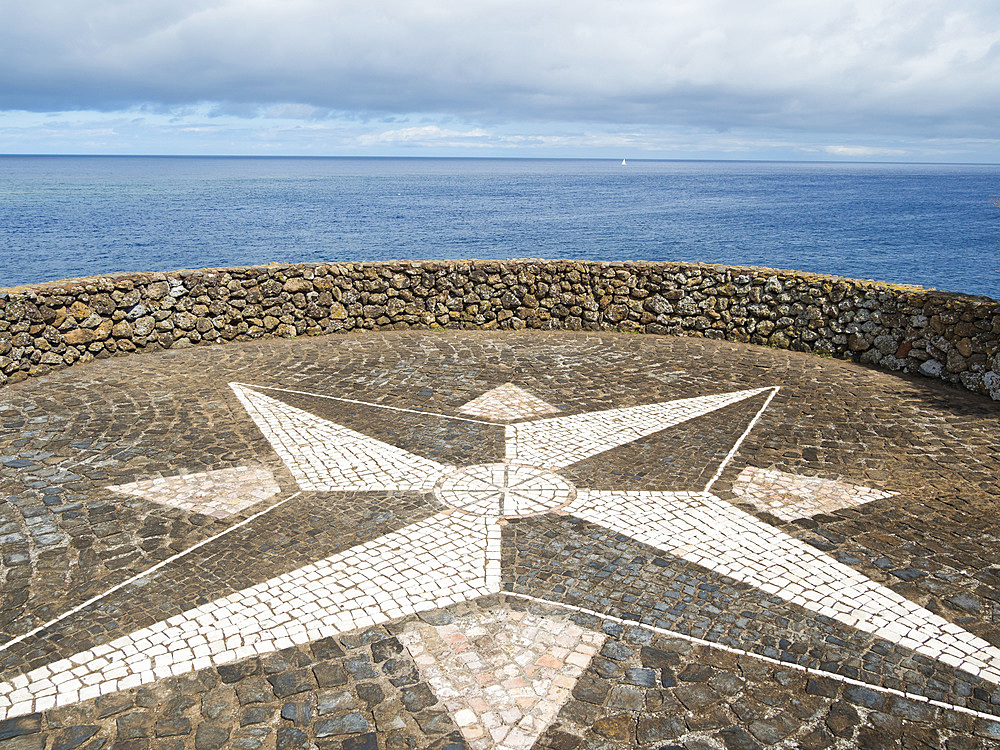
(454, 555)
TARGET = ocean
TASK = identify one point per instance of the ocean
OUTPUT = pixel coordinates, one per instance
(932, 225)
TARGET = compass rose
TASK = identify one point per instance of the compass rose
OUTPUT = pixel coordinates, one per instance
(454, 554)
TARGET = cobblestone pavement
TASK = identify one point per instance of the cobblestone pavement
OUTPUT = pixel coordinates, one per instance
(476, 540)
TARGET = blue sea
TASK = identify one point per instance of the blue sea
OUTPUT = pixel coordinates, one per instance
(932, 225)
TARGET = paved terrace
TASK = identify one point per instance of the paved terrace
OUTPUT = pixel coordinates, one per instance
(475, 540)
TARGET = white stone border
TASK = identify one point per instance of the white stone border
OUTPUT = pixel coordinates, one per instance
(736, 446)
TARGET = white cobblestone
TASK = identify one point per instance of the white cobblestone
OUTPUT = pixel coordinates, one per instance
(504, 490)
(322, 455)
(557, 442)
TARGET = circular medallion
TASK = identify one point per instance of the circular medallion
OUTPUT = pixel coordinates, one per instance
(508, 490)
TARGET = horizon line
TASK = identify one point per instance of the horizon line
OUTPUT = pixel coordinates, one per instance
(497, 158)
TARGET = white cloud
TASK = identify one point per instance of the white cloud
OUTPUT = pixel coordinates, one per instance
(782, 70)
(425, 135)
(790, 61)
(292, 111)
(863, 151)
(205, 129)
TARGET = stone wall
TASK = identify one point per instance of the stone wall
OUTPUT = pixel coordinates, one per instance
(949, 336)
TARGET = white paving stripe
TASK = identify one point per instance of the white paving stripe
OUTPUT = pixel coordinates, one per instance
(445, 559)
(558, 442)
(734, 449)
(325, 456)
(703, 529)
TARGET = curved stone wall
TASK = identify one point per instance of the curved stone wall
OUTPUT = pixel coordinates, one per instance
(953, 337)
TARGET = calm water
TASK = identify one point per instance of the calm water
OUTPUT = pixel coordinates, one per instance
(75, 216)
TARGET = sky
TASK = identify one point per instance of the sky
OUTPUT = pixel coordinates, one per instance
(856, 80)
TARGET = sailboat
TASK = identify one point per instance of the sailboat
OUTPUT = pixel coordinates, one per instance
(623, 163)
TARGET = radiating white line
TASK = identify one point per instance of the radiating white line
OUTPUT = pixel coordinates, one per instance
(369, 403)
(739, 442)
(143, 574)
(770, 660)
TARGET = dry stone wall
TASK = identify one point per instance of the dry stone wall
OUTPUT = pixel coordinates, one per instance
(953, 337)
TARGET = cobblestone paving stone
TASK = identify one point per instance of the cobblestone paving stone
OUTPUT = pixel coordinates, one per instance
(450, 539)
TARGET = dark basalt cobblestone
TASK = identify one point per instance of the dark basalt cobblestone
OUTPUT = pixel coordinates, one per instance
(648, 690)
(64, 537)
(452, 441)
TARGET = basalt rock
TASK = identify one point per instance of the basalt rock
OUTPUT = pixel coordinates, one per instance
(951, 337)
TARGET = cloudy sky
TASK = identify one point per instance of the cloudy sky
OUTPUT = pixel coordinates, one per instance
(884, 80)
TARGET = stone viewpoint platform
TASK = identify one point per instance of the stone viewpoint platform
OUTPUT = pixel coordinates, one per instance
(475, 539)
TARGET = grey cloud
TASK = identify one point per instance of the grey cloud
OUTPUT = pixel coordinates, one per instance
(907, 66)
